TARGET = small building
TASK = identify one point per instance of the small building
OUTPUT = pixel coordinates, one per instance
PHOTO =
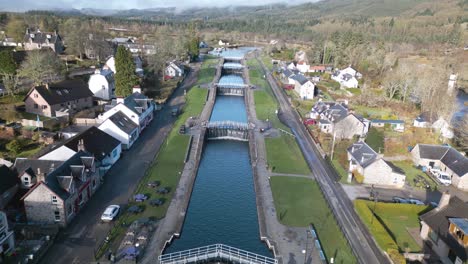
(174, 69)
(443, 127)
(203, 45)
(396, 125)
(317, 68)
(59, 99)
(223, 42)
(431, 120)
(445, 158)
(374, 169)
(8, 185)
(102, 84)
(60, 194)
(10, 42)
(7, 237)
(36, 40)
(302, 66)
(121, 128)
(137, 107)
(104, 147)
(444, 230)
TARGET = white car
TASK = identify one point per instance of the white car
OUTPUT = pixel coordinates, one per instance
(444, 179)
(110, 213)
(416, 202)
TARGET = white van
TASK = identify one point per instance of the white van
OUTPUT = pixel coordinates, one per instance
(444, 178)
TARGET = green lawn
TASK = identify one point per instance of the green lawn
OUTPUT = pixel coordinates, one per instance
(390, 223)
(166, 168)
(375, 139)
(299, 202)
(207, 70)
(412, 172)
(284, 156)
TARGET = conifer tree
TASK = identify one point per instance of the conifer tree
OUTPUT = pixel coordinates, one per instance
(125, 77)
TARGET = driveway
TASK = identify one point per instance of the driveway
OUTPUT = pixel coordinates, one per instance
(76, 243)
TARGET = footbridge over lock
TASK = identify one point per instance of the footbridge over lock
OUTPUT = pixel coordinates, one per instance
(231, 84)
(227, 130)
(215, 253)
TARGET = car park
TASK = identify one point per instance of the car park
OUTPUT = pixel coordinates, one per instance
(110, 213)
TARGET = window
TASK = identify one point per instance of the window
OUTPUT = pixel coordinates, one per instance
(36, 95)
(114, 153)
(57, 216)
(36, 106)
(54, 199)
(44, 106)
(433, 236)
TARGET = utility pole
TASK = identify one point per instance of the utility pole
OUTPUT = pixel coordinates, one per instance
(373, 210)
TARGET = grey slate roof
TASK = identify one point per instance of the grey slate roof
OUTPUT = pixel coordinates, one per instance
(394, 167)
(300, 78)
(336, 112)
(8, 178)
(136, 102)
(62, 92)
(387, 121)
(96, 142)
(362, 154)
(31, 166)
(41, 37)
(436, 152)
(438, 221)
(122, 122)
(456, 162)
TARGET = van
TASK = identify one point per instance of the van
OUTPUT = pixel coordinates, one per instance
(444, 179)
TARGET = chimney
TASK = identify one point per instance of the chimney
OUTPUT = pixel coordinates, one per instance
(40, 176)
(47, 86)
(136, 89)
(55, 32)
(444, 200)
(27, 31)
(97, 71)
(81, 146)
(120, 100)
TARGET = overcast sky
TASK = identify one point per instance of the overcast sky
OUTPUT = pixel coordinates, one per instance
(23, 5)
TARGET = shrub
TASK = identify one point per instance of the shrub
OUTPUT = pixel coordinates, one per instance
(396, 257)
(14, 146)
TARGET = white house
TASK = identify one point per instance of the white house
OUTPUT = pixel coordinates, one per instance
(121, 128)
(7, 237)
(396, 125)
(102, 84)
(223, 42)
(443, 127)
(303, 87)
(137, 107)
(374, 169)
(347, 77)
(104, 147)
(303, 67)
(110, 64)
(174, 70)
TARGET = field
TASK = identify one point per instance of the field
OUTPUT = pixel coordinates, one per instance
(389, 223)
(207, 70)
(375, 139)
(299, 202)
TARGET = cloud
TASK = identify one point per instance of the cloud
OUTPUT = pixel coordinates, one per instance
(24, 5)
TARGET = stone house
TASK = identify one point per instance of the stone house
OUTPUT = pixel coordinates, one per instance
(102, 84)
(59, 194)
(121, 128)
(36, 40)
(444, 230)
(7, 237)
(137, 107)
(104, 147)
(8, 185)
(59, 99)
(303, 87)
(374, 169)
(445, 158)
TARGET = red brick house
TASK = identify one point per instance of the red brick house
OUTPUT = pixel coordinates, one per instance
(59, 99)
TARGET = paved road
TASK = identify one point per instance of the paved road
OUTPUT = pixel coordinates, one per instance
(77, 242)
(359, 238)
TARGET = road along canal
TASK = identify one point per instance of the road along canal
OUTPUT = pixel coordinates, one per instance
(222, 206)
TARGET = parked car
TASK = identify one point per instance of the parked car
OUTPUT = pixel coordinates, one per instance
(397, 199)
(444, 179)
(110, 213)
(416, 201)
(310, 121)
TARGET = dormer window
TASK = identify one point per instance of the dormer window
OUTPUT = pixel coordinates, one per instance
(31, 35)
(459, 230)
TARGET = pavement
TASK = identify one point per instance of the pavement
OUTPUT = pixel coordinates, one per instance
(77, 243)
(360, 240)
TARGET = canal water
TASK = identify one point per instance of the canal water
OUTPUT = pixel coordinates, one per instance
(222, 207)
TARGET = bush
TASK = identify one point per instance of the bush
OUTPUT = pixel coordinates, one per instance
(358, 176)
(396, 257)
(14, 146)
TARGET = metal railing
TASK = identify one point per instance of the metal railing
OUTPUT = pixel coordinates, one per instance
(215, 251)
(228, 125)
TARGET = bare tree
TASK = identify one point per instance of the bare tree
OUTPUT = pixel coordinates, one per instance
(461, 133)
(10, 81)
(41, 66)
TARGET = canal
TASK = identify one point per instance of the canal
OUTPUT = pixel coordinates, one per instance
(222, 207)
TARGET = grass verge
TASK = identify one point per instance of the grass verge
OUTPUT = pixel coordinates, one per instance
(299, 202)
